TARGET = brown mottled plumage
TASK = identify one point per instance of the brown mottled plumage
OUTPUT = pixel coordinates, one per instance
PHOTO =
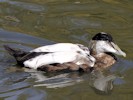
(65, 67)
(104, 61)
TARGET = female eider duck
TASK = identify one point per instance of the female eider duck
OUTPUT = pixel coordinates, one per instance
(70, 57)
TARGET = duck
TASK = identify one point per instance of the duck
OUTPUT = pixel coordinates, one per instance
(69, 56)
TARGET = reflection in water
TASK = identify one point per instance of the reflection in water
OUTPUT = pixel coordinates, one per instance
(54, 81)
(96, 79)
(103, 83)
(13, 86)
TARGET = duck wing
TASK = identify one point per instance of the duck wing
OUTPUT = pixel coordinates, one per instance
(61, 47)
(56, 57)
(31, 55)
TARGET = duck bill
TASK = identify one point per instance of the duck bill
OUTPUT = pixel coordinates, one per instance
(118, 50)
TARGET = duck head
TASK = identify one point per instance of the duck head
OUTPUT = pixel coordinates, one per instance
(103, 43)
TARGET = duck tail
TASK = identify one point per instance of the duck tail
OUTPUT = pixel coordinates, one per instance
(10, 50)
(18, 54)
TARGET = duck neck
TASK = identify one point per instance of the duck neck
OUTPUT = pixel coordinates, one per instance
(95, 53)
(93, 48)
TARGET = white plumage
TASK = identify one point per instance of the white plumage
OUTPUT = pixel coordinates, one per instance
(58, 57)
(61, 53)
(59, 47)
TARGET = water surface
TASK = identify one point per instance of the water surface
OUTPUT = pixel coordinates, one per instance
(28, 24)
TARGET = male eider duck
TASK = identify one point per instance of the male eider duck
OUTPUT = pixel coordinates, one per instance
(70, 57)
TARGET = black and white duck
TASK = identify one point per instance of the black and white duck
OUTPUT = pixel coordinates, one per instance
(69, 56)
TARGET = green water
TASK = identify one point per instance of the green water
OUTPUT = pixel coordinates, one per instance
(27, 24)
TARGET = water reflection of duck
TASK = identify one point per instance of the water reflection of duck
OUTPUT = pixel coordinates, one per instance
(102, 83)
(68, 56)
(99, 81)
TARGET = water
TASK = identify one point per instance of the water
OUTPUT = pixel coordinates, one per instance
(28, 24)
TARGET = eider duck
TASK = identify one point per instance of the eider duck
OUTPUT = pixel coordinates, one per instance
(69, 56)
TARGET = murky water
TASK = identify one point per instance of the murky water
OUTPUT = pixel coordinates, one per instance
(28, 24)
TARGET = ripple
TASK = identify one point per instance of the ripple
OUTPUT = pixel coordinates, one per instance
(22, 38)
(28, 6)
